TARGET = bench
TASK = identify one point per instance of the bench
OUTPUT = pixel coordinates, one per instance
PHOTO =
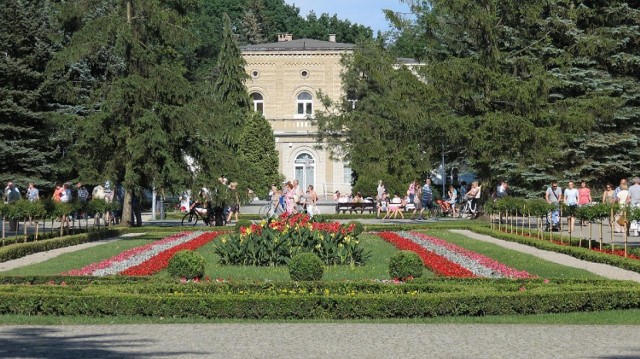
(358, 207)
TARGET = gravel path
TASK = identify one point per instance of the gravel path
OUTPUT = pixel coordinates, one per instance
(600, 269)
(45, 256)
(319, 340)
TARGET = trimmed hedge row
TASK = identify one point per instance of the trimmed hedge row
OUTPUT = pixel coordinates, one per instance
(137, 300)
(20, 250)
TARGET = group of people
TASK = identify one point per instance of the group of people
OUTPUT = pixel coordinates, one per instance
(623, 194)
(291, 198)
(66, 192)
(421, 198)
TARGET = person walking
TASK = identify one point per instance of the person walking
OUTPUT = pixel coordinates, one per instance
(11, 196)
(553, 195)
(634, 202)
(427, 198)
(311, 200)
(234, 202)
(571, 200)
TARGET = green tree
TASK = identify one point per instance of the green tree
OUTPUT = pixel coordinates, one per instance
(259, 156)
(230, 74)
(383, 127)
(142, 132)
(26, 152)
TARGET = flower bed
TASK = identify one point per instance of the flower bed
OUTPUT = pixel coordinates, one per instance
(147, 259)
(275, 242)
(438, 264)
(439, 254)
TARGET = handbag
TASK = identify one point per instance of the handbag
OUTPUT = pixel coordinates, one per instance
(622, 220)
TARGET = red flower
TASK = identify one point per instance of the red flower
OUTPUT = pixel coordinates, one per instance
(161, 261)
(435, 262)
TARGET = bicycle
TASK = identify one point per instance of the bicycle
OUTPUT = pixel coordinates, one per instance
(196, 213)
(265, 211)
(468, 210)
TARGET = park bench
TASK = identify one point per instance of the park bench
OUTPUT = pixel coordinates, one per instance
(358, 207)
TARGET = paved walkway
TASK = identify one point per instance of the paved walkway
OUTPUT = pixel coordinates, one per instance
(336, 340)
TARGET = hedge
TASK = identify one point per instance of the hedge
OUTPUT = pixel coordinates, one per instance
(312, 300)
(20, 250)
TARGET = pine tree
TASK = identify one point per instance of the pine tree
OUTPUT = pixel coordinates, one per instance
(142, 131)
(230, 74)
(259, 156)
(26, 152)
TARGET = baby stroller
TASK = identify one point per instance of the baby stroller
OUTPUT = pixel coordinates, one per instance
(553, 220)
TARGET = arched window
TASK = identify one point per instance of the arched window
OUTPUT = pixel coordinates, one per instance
(258, 102)
(305, 166)
(305, 104)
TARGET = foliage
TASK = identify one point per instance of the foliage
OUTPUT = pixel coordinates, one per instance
(358, 227)
(305, 267)
(258, 156)
(405, 265)
(277, 241)
(241, 224)
(309, 300)
(186, 264)
(27, 150)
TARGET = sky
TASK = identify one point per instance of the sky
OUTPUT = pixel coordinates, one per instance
(363, 12)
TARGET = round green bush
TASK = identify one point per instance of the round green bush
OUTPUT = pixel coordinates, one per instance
(404, 265)
(358, 227)
(306, 266)
(242, 223)
(186, 264)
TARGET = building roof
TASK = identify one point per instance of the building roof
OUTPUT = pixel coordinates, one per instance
(299, 45)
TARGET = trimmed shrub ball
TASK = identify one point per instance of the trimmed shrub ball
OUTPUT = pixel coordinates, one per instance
(404, 265)
(186, 264)
(305, 267)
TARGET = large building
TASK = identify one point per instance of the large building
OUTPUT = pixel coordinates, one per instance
(285, 78)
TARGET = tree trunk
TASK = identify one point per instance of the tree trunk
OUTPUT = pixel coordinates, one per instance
(126, 207)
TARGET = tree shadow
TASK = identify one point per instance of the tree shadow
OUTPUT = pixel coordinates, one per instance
(70, 343)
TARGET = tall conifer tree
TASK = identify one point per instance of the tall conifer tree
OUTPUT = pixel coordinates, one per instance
(26, 150)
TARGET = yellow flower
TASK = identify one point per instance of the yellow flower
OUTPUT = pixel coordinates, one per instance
(318, 246)
(347, 239)
(326, 291)
(340, 245)
(263, 223)
(224, 241)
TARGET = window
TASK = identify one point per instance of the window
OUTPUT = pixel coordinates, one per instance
(347, 174)
(305, 104)
(258, 102)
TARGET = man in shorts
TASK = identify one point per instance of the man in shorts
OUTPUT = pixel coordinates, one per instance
(427, 198)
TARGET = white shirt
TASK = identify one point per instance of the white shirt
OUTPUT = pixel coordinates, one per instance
(571, 196)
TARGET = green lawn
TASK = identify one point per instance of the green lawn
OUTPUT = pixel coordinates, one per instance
(376, 267)
(79, 259)
(515, 259)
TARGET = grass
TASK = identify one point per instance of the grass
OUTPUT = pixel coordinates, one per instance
(376, 267)
(79, 259)
(515, 259)
(611, 317)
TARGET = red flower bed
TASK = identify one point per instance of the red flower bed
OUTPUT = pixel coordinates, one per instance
(438, 264)
(161, 261)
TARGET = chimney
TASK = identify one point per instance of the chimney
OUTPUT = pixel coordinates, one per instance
(332, 37)
(285, 37)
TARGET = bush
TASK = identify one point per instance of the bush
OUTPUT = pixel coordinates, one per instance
(306, 266)
(404, 265)
(242, 223)
(357, 227)
(186, 264)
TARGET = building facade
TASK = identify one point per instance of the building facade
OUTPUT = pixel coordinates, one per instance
(285, 78)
